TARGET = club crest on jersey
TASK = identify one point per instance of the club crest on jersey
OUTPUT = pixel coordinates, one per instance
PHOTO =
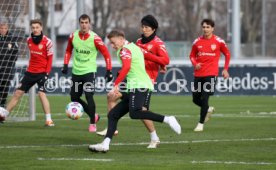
(149, 47)
(9, 46)
(213, 47)
(40, 46)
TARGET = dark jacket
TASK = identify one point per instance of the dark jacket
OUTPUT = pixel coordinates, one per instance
(8, 52)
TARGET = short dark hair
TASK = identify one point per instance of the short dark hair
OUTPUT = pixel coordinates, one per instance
(84, 16)
(116, 33)
(150, 21)
(36, 21)
(208, 22)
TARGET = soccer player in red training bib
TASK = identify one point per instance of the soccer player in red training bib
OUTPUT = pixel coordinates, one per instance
(40, 64)
(138, 84)
(86, 44)
(205, 56)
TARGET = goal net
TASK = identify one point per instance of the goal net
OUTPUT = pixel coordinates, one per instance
(13, 50)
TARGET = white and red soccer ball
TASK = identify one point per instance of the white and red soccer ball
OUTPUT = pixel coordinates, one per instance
(74, 110)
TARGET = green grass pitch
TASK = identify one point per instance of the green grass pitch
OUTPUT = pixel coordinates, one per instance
(240, 135)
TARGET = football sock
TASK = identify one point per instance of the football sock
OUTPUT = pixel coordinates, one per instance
(106, 141)
(48, 117)
(166, 119)
(153, 136)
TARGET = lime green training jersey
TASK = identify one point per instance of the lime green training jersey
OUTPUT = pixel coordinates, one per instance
(137, 76)
(85, 54)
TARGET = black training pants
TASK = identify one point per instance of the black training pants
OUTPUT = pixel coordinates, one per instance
(84, 83)
(203, 88)
(134, 105)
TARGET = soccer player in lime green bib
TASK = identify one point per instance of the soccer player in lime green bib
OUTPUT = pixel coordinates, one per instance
(138, 87)
(86, 44)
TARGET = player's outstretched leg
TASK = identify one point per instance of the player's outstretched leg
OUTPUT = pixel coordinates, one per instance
(173, 123)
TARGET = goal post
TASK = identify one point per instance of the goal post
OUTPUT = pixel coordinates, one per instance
(32, 101)
(14, 50)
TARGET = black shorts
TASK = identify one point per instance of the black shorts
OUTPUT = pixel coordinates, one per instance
(205, 84)
(31, 79)
(147, 99)
(147, 96)
(83, 83)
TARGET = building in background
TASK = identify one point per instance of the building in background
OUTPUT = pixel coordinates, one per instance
(179, 22)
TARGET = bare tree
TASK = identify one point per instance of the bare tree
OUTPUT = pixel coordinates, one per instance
(101, 13)
(251, 20)
(42, 7)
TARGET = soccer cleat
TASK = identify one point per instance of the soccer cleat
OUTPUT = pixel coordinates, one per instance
(2, 119)
(199, 127)
(92, 128)
(3, 114)
(98, 148)
(97, 117)
(49, 123)
(211, 110)
(174, 125)
(154, 144)
(103, 132)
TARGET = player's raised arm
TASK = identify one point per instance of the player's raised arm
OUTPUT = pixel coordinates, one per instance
(161, 58)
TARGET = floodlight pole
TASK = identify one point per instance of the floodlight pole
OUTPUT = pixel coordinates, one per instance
(53, 31)
(236, 29)
(263, 28)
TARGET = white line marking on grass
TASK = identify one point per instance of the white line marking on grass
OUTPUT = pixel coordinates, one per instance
(104, 116)
(198, 141)
(142, 143)
(217, 115)
(231, 162)
(74, 159)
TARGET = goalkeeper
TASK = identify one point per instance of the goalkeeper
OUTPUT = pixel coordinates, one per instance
(8, 57)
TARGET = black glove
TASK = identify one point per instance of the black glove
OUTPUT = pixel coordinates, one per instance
(64, 70)
(108, 76)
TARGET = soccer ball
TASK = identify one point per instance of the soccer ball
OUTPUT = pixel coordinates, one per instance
(3, 114)
(74, 110)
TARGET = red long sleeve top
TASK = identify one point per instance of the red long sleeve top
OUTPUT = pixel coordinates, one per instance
(41, 55)
(155, 55)
(207, 53)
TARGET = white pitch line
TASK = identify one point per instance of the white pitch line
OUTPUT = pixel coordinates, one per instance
(217, 115)
(231, 162)
(183, 115)
(74, 159)
(198, 141)
(142, 143)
